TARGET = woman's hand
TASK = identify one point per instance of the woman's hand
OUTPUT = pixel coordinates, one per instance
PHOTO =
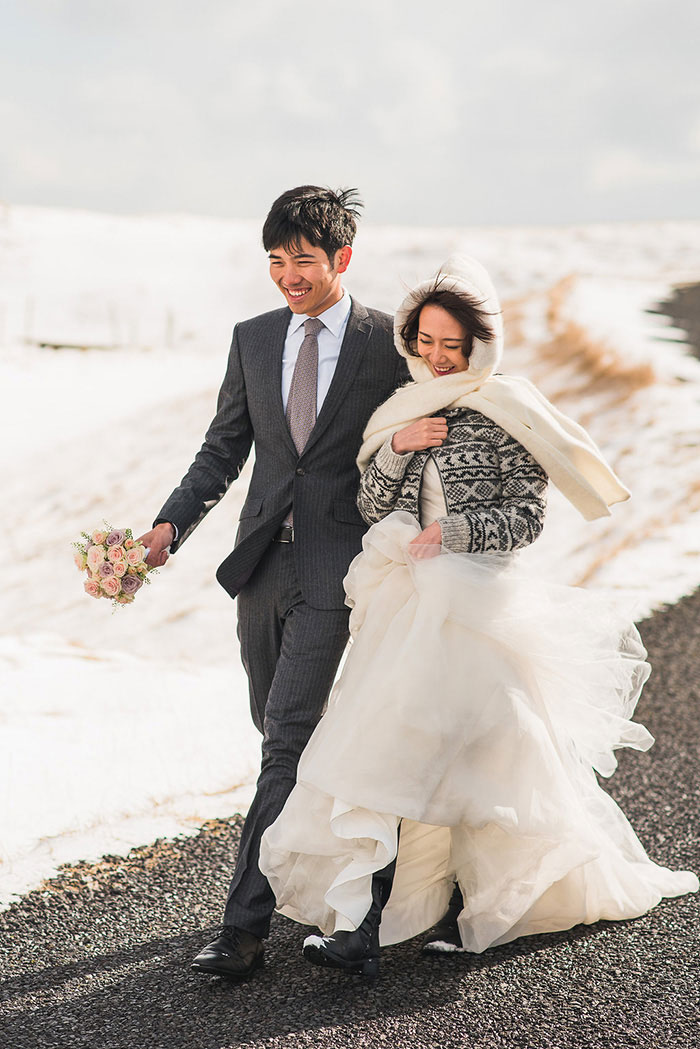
(423, 433)
(428, 543)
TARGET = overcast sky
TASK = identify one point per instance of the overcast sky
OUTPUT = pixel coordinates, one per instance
(518, 111)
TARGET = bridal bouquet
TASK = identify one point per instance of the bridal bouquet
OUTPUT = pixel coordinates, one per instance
(115, 564)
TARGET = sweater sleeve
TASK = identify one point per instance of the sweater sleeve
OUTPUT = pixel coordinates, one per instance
(380, 484)
(519, 517)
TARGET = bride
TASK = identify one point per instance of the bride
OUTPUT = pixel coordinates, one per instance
(452, 778)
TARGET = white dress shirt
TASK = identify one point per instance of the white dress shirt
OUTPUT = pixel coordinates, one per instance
(330, 338)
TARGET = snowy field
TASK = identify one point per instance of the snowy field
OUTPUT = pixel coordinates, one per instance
(119, 728)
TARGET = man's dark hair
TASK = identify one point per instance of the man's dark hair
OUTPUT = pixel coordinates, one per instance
(464, 308)
(326, 218)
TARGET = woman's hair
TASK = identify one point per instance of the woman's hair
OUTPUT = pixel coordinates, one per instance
(326, 218)
(463, 307)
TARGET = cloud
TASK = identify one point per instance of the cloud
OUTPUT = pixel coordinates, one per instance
(523, 61)
(457, 113)
(694, 135)
(626, 168)
(415, 98)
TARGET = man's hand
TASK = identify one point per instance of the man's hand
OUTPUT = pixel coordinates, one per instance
(428, 543)
(423, 433)
(158, 539)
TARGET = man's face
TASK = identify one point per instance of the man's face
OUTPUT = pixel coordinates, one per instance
(306, 278)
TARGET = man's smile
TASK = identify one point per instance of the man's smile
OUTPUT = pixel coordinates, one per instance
(295, 293)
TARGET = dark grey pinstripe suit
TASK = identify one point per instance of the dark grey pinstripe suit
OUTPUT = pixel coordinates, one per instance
(292, 618)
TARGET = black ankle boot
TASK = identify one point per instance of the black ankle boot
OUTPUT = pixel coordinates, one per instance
(356, 952)
(444, 937)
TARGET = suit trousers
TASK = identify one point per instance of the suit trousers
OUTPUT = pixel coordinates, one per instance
(290, 652)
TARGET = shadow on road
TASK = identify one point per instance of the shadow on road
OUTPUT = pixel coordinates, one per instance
(146, 995)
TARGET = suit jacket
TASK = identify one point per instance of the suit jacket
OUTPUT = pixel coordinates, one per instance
(321, 483)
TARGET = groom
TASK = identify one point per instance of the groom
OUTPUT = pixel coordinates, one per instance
(301, 383)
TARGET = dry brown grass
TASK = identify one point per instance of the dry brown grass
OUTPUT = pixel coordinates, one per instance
(556, 298)
(687, 502)
(513, 321)
(594, 362)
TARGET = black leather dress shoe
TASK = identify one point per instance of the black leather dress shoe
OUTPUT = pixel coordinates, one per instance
(354, 952)
(444, 938)
(357, 951)
(235, 954)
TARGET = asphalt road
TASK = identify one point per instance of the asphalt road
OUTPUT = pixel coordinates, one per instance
(99, 957)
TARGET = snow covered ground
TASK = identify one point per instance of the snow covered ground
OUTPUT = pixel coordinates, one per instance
(115, 729)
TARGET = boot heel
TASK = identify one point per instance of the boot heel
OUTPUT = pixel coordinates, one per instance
(370, 970)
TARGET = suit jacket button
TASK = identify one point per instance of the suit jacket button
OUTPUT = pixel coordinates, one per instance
(300, 471)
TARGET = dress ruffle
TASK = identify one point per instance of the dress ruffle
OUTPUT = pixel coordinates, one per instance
(474, 705)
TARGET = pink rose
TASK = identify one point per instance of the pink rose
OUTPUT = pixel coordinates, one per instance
(119, 568)
(111, 585)
(99, 537)
(116, 538)
(131, 583)
(92, 587)
(95, 557)
(105, 569)
(116, 553)
(80, 559)
(129, 543)
(135, 555)
(123, 599)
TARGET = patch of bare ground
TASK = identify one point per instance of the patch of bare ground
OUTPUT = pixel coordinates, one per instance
(683, 307)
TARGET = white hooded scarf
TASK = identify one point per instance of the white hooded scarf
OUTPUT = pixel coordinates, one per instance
(563, 449)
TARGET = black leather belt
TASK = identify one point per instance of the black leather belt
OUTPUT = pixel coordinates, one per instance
(285, 535)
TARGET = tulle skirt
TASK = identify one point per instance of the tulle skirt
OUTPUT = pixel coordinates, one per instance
(474, 705)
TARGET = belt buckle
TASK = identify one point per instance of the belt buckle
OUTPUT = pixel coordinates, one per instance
(285, 534)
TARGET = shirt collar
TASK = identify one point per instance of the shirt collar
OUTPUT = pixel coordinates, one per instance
(333, 318)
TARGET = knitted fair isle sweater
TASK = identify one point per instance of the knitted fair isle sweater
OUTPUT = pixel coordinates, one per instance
(495, 492)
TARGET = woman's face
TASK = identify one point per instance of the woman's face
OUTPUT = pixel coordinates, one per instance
(441, 341)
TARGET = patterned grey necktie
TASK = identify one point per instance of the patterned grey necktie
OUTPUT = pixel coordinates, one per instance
(301, 403)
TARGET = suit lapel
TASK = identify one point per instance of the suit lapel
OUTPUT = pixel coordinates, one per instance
(274, 375)
(352, 350)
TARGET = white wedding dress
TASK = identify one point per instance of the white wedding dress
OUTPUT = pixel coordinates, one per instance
(474, 705)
